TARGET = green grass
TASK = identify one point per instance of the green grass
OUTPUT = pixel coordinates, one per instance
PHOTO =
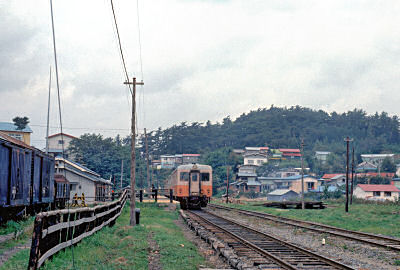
(371, 218)
(15, 226)
(123, 247)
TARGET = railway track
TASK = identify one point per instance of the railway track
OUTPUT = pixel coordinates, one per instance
(260, 249)
(372, 239)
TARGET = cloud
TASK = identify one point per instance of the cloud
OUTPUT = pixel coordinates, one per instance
(202, 60)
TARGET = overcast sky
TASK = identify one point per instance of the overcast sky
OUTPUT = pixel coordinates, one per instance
(202, 60)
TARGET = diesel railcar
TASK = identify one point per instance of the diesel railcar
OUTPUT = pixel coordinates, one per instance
(191, 185)
(26, 179)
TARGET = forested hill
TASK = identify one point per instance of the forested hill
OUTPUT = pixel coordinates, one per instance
(282, 128)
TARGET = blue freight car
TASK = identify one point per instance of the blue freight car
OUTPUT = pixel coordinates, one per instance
(26, 179)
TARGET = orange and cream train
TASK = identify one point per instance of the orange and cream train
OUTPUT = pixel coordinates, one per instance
(191, 185)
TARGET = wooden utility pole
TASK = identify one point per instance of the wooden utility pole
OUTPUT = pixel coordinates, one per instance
(352, 177)
(132, 220)
(302, 174)
(122, 172)
(227, 184)
(347, 140)
(147, 159)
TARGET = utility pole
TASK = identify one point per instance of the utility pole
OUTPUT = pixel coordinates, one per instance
(227, 184)
(147, 159)
(352, 177)
(347, 140)
(48, 116)
(302, 174)
(132, 220)
(122, 172)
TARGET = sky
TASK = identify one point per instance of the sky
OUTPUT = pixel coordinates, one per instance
(201, 60)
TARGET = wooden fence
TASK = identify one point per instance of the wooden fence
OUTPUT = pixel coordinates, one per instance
(56, 230)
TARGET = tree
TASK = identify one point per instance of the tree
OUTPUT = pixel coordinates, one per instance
(388, 165)
(21, 122)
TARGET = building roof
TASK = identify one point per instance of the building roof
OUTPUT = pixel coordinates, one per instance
(246, 174)
(64, 134)
(5, 126)
(255, 154)
(191, 155)
(374, 174)
(296, 177)
(12, 140)
(370, 188)
(377, 155)
(59, 178)
(283, 150)
(280, 192)
(331, 175)
(322, 152)
(367, 165)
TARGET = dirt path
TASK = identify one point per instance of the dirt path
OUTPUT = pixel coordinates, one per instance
(154, 253)
(10, 252)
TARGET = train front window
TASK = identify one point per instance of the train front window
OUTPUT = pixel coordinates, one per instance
(205, 177)
(194, 176)
(184, 176)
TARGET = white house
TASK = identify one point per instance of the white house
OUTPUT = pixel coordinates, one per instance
(255, 159)
(59, 141)
(377, 192)
(376, 159)
(83, 180)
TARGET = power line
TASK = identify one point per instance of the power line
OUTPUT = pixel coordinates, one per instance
(120, 46)
(140, 58)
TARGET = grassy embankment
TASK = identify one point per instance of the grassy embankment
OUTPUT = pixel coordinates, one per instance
(371, 218)
(123, 247)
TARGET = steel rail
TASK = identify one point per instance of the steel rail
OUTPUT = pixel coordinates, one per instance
(269, 255)
(388, 242)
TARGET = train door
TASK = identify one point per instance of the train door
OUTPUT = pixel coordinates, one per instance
(194, 183)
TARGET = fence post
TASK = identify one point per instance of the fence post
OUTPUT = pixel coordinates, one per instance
(141, 195)
(171, 193)
(155, 195)
(37, 235)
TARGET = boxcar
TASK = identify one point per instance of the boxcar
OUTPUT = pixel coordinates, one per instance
(26, 178)
(191, 185)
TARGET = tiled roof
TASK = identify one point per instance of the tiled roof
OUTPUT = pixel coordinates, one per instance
(5, 126)
(331, 175)
(289, 150)
(389, 188)
(374, 174)
(64, 134)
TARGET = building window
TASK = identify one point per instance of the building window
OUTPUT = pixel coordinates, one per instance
(388, 194)
(16, 136)
(250, 161)
(60, 141)
(259, 161)
(377, 193)
(310, 185)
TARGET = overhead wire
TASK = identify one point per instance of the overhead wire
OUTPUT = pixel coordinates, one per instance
(141, 62)
(60, 116)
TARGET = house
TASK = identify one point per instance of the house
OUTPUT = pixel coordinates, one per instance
(167, 161)
(12, 130)
(253, 185)
(322, 156)
(366, 166)
(248, 168)
(190, 158)
(275, 154)
(377, 192)
(281, 195)
(376, 158)
(291, 182)
(290, 153)
(59, 141)
(333, 179)
(255, 159)
(82, 180)
(267, 183)
(286, 172)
